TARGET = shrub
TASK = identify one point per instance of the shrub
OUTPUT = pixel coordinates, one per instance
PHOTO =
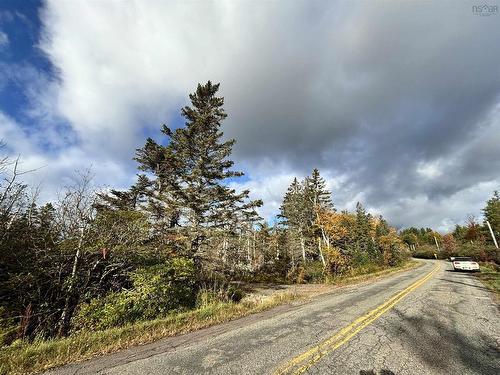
(272, 271)
(157, 290)
(314, 272)
(309, 272)
(359, 258)
(337, 263)
(167, 286)
(426, 252)
(8, 328)
(296, 275)
(449, 245)
(492, 254)
(115, 309)
(206, 297)
(479, 251)
(235, 294)
(392, 249)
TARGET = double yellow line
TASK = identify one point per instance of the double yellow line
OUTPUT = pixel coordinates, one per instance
(304, 361)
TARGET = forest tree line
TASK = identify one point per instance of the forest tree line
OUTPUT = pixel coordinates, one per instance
(96, 259)
(475, 239)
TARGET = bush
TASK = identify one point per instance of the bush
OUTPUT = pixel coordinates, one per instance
(206, 297)
(295, 275)
(168, 286)
(337, 263)
(393, 250)
(309, 272)
(235, 294)
(426, 252)
(479, 252)
(157, 290)
(8, 328)
(115, 309)
(272, 271)
(218, 294)
(360, 259)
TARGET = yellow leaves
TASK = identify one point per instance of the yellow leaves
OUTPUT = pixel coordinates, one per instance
(391, 247)
(389, 240)
(336, 225)
(336, 261)
(374, 222)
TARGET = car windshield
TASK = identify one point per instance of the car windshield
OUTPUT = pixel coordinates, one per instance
(463, 259)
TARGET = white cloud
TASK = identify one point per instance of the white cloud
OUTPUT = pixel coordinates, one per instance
(429, 170)
(270, 180)
(52, 172)
(360, 91)
(442, 215)
(4, 39)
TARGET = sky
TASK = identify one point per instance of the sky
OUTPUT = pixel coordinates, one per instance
(396, 103)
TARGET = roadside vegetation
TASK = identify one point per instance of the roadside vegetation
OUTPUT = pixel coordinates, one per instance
(474, 239)
(39, 355)
(25, 357)
(490, 277)
(104, 269)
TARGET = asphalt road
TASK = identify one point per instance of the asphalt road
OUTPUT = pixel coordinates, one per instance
(429, 320)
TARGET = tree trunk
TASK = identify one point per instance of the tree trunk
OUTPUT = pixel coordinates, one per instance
(303, 247)
(321, 252)
(254, 246)
(67, 310)
(326, 239)
(249, 257)
(224, 249)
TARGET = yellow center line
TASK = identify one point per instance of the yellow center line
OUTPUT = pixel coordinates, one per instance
(304, 361)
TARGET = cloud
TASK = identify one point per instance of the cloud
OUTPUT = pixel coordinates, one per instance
(52, 172)
(396, 105)
(4, 39)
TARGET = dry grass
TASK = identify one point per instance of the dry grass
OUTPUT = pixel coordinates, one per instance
(490, 277)
(373, 273)
(26, 358)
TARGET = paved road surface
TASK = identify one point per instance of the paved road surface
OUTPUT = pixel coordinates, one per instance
(425, 321)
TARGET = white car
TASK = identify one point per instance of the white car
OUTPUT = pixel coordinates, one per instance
(464, 264)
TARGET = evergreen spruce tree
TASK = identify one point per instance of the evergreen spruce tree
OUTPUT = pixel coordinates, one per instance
(362, 229)
(126, 200)
(382, 228)
(295, 213)
(290, 210)
(320, 201)
(319, 195)
(191, 169)
(301, 206)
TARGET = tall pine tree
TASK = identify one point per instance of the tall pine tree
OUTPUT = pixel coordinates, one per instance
(190, 171)
(295, 213)
(318, 193)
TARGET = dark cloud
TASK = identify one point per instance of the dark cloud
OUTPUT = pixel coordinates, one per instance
(395, 102)
(388, 89)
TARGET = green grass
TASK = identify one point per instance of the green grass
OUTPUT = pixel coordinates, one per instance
(490, 277)
(26, 358)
